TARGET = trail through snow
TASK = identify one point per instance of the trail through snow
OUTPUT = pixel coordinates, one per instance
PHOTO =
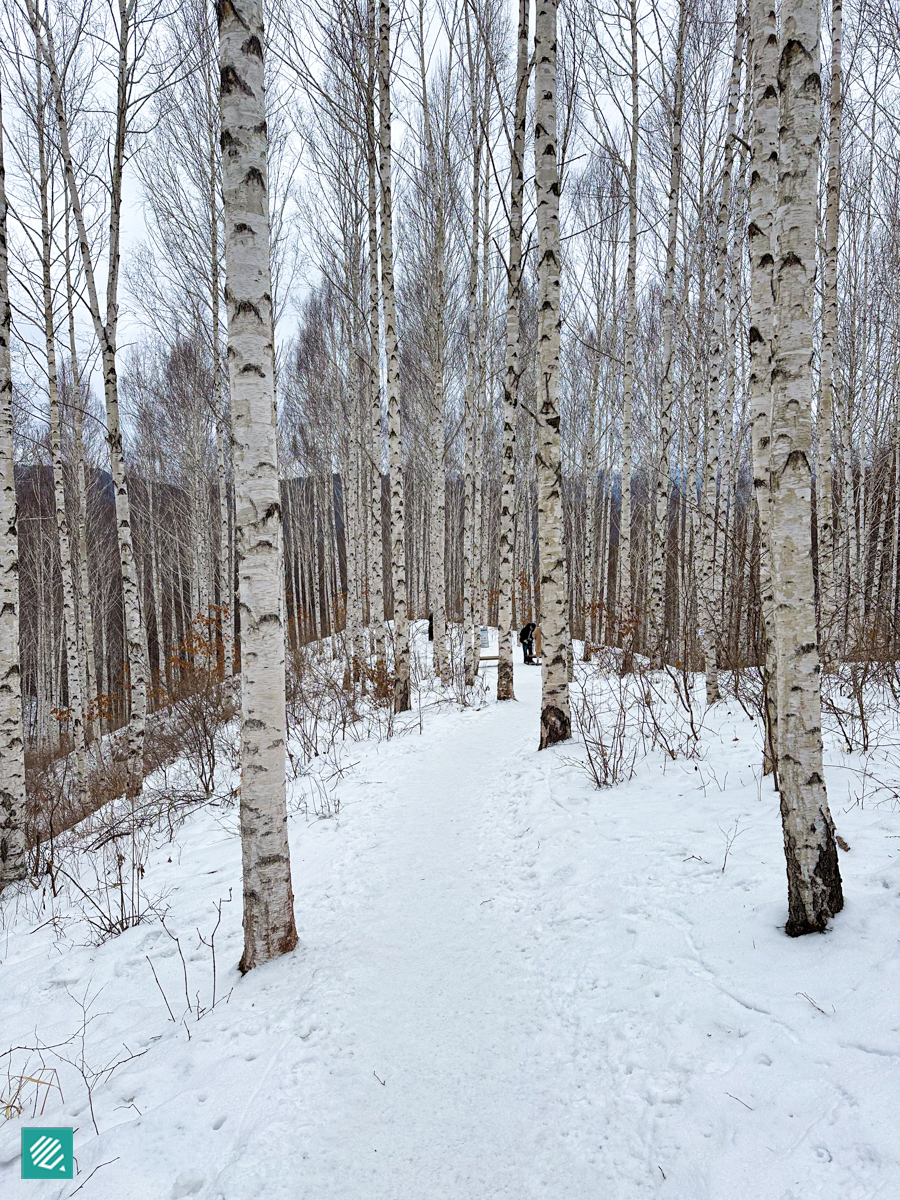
(508, 985)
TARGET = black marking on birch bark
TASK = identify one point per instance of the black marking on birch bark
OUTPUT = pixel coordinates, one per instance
(252, 369)
(224, 8)
(555, 726)
(254, 175)
(243, 227)
(252, 46)
(246, 306)
(230, 81)
(796, 459)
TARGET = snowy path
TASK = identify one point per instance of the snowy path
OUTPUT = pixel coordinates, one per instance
(564, 995)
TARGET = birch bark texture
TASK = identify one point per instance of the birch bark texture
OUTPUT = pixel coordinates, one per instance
(505, 688)
(90, 690)
(269, 928)
(556, 723)
(402, 701)
(718, 369)
(626, 599)
(69, 585)
(814, 882)
(659, 544)
(828, 357)
(376, 550)
(12, 742)
(761, 233)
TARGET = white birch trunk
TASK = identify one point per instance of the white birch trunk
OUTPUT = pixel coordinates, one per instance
(556, 725)
(376, 548)
(402, 702)
(814, 882)
(761, 234)
(269, 928)
(91, 686)
(70, 624)
(718, 368)
(12, 742)
(625, 598)
(828, 365)
(659, 543)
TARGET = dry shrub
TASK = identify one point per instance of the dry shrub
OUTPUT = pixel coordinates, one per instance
(622, 714)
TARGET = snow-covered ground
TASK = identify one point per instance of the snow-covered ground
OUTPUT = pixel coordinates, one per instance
(509, 984)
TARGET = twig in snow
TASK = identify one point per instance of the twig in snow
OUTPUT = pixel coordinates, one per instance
(381, 1081)
(812, 1002)
(491, 901)
(730, 839)
(159, 985)
(661, 1171)
(740, 1101)
(94, 1172)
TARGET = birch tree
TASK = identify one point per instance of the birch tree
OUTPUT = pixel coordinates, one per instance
(814, 881)
(761, 242)
(505, 690)
(625, 570)
(402, 700)
(12, 743)
(556, 725)
(269, 928)
(828, 362)
(657, 613)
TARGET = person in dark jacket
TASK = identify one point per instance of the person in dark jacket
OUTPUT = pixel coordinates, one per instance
(526, 637)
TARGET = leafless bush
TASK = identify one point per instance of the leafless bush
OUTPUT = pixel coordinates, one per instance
(194, 1007)
(670, 711)
(859, 704)
(604, 712)
(105, 872)
(34, 1063)
(319, 801)
(320, 711)
(621, 714)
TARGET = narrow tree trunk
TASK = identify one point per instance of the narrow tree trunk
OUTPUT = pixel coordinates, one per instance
(12, 743)
(718, 369)
(513, 373)
(659, 543)
(828, 373)
(91, 686)
(269, 928)
(761, 233)
(67, 572)
(402, 701)
(556, 725)
(625, 595)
